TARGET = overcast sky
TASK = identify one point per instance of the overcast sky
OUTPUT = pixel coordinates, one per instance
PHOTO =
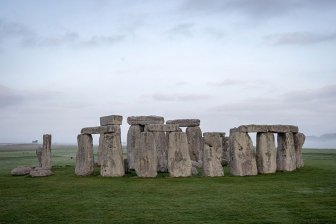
(63, 64)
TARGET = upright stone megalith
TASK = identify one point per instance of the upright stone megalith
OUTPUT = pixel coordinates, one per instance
(212, 154)
(243, 161)
(226, 151)
(133, 136)
(112, 161)
(161, 146)
(39, 156)
(266, 153)
(46, 152)
(195, 143)
(179, 163)
(286, 158)
(299, 139)
(84, 157)
(100, 149)
(146, 156)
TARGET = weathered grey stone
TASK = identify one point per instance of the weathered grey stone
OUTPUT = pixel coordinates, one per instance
(266, 153)
(146, 156)
(161, 145)
(100, 149)
(101, 129)
(242, 161)
(145, 120)
(39, 155)
(162, 127)
(179, 163)
(46, 152)
(111, 120)
(194, 170)
(84, 157)
(21, 171)
(286, 160)
(266, 128)
(185, 122)
(40, 172)
(195, 143)
(299, 139)
(133, 136)
(112, 161)
(226, 151)
(196, 164)
(212, 154)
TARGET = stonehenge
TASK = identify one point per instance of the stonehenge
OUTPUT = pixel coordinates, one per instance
(154, 146)
(46, 152)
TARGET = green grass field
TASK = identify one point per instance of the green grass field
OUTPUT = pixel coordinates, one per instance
(304, 196)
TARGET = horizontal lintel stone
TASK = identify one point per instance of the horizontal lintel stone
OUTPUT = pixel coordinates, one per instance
(101, 129)
(266, 128)
(185, 122)
(145, 120)
(221, 134)
(162, 128)
(111, 120)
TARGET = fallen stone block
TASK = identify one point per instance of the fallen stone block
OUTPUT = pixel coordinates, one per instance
(266, 153)
(21, 171)
(243, 160)
(111, 120)
(40, 172)
(101, 129)
(185, 122)
(145, 120)
(162, 128)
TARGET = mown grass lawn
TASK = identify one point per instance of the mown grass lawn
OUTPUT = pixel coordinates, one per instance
(304, 196)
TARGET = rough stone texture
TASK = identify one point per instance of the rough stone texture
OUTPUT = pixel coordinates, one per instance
(111, 120)
(101, 129)
(299, 139)
(212, 154)
(185, 122)
(84, 157)
(196, 164)
(133, 136)
(179, 163)
(112, 161)
(145, 120)
(195, 143)
(226, 151)
(162, 127)
(100, 149)
(46, 152)
(286, 160)
(266, 153)
(21, 171)
(40, 172)
(161, 145)
(39, 156)
(266, 128)
(242, 161)
(146, 156)
(194, 170)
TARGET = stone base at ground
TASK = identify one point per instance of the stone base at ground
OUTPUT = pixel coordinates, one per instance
(21, 171)
(40, 172)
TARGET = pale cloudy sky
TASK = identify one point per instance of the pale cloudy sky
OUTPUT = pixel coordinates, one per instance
(63, 64)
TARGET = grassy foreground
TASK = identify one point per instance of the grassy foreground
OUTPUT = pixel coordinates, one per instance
(304, 196)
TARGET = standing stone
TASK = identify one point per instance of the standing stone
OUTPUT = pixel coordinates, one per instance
(286, 160)
(112, 161)
(212, 155)
(39, 156)
(100, 149)
(84, 157)
(161, 146)
(46, 152)
(266, 153)
(145, 156)
(195, 143)
(179, 163)
(226, 151)
(243, 161)
(133, 136)
(299, 139)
